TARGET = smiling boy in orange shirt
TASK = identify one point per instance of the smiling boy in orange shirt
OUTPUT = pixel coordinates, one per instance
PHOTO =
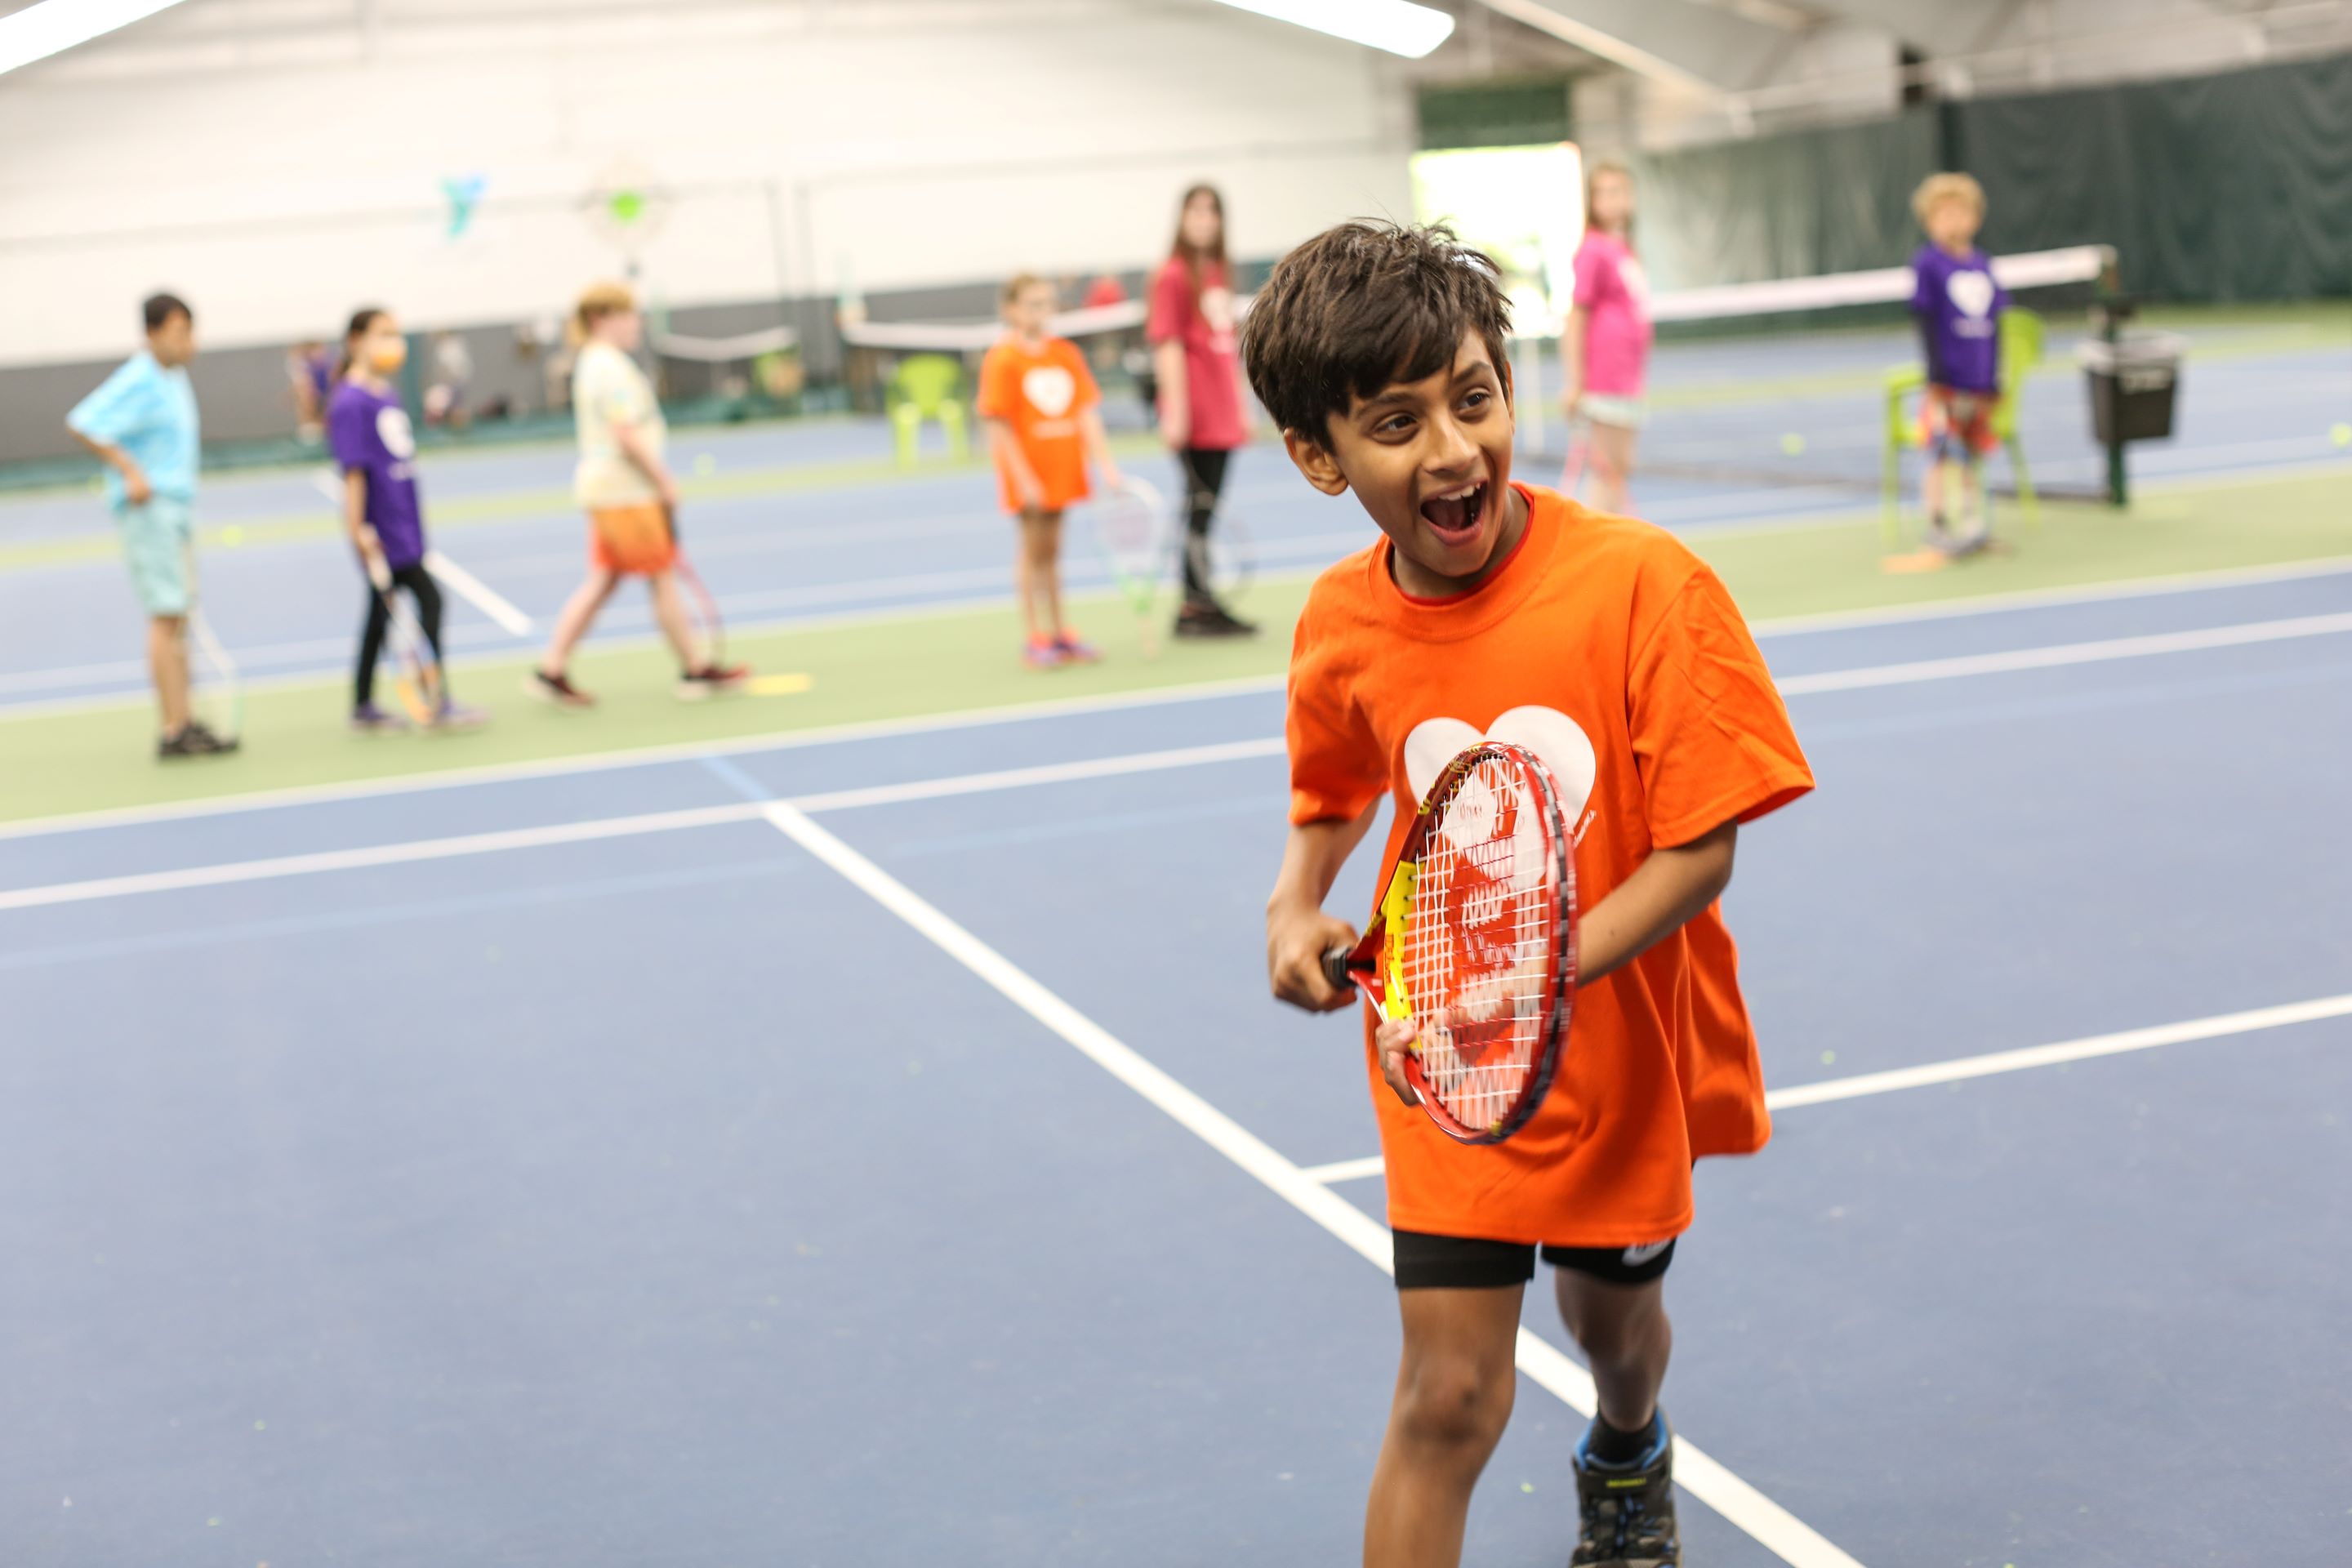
(1612, 652)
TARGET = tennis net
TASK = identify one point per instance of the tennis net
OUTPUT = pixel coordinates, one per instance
(1780, 382)
(729, 377)
(1789, 382)
(1109, 336)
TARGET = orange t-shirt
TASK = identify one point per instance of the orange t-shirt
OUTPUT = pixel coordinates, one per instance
(1607, 647)
(1040, 396)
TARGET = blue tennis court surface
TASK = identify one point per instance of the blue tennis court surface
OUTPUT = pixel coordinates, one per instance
(573, 1167)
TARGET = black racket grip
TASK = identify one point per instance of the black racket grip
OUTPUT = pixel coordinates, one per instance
(1335, 968)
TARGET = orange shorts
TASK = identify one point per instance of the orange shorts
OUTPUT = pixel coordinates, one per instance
(1966, 415)
(631, 540)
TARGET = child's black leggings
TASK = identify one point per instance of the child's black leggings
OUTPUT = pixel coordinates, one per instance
(428, 593)
(1204, 481)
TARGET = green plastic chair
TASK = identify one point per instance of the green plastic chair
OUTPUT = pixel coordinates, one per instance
(2021, 350)
(928, 386)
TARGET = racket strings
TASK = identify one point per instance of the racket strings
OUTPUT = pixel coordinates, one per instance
(1478, 946)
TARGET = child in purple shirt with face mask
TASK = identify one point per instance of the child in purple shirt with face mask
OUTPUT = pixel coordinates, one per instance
(368, 431)
(1958, 306)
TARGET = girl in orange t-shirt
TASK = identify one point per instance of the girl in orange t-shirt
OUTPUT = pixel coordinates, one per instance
(1045, 424)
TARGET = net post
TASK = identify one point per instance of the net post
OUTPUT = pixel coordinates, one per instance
(2113, 312)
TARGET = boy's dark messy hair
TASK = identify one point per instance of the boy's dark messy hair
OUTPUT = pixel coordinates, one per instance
(1360, 308)
(158, 309)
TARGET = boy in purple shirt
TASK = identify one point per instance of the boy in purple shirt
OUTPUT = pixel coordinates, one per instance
(369, 434)
(1958, 305)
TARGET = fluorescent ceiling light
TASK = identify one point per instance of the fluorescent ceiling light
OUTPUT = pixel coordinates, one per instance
(1396, 25)
(53, 27)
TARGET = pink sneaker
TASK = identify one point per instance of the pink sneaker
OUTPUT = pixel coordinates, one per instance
(1043, 656)
(1076, 648)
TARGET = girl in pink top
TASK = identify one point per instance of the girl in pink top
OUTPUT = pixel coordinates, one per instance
(1196, 359)
(1604, 350)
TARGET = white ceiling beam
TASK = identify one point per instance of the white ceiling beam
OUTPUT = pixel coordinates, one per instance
(1687, 45)
(53, 27)
(1399, 26)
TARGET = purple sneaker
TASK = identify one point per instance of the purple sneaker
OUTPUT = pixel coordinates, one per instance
(456, 715)
(370, 720)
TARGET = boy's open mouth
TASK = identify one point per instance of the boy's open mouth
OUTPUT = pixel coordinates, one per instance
(1455, 516)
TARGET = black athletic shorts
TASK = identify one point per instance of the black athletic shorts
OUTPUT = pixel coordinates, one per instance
(1425, 1262)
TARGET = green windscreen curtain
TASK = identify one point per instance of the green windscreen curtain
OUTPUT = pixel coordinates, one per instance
(2234, 186)
(1525, 113)
(1834, 199)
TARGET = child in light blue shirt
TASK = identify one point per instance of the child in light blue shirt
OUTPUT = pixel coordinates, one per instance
(141, 423)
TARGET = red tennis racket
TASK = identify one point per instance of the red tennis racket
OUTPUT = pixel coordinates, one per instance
(1475, 940)
(1580, 451)
(699, 602)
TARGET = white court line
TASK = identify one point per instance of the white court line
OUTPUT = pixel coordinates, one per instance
(1014, 712)
(479, 593)
(1147, 762)
(1346, 1169)
(1045, 773)
(2222, 1026)
(2034, 598)
(2059, 653)
(1768, 1523)
(330, 484)
(635, 826)
(375, 855)
(640, 756)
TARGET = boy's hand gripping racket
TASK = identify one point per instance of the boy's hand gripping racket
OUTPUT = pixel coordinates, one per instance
(1474, 941)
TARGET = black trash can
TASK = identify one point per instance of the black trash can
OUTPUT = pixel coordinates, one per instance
(2134, 382)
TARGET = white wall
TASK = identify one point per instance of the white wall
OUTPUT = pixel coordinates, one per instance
(280, 160)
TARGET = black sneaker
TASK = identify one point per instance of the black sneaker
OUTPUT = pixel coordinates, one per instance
(1628, 1513)
(194, 741)
(694, 685)
(555, 689)
(1212, 620)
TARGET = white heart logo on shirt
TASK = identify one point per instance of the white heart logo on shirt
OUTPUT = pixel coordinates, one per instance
(1636, 280)
(391, 429)
(1217, 309)
(1972, 291)
(1556, 740)
(1049, 389)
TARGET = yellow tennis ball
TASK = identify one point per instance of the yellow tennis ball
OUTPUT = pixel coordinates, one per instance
(705, 465)
(2340, 435)
(1792, 444)
(232, 535)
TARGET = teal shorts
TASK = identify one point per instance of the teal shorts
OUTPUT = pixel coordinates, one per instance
(155, 540)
